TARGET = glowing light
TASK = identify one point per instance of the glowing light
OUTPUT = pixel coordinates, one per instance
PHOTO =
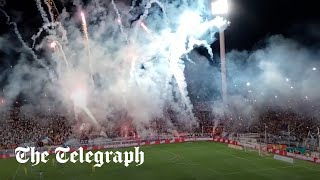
(314, 68)
(84, 26)
(86, 34)
(79, 97)
(220, 22)
(119, 21)
(220, 7)
(56, 43)
(53, 44)
(83, 17)
(248, 84)
(145, 27)
(190, 19)
(287, 79)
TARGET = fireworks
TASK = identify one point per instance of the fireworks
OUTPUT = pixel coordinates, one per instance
(145, 27)
(53, 45)
(115, 67)
(85, 31)
(79, 96)
(56, 43)
(53, 11)
(84, 26)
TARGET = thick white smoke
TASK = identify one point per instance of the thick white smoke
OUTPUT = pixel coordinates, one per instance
(283, 75)
(128, 59)
(138, 53)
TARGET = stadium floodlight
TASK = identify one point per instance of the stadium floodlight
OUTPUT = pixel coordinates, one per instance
(220, 7)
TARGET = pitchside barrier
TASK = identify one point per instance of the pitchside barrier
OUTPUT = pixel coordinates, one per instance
(235, 146)
(131, 143)
(283, 158)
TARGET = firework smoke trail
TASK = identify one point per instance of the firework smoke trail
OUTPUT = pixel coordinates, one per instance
(42, 12)
(50, 10)
(148, 6)
(119, 19)
(85, 31)
(47, 24)
(57, 25)
(36, 36)
(145, 27)
(178, 73)
(54, 7)
(167, 53)
(118, 14)
(88, 112)
(56, 43)
(79, 98)
(133, 66)
(75, 112)
(191, 23)
(84, 26)
(133, 3)
(193, 42)
(16, 30)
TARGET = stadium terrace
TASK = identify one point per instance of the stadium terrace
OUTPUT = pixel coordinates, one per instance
(63, 155)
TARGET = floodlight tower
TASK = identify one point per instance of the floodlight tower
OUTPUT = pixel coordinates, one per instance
(220, 8)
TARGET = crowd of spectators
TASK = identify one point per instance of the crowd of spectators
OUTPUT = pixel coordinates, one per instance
(17, 128)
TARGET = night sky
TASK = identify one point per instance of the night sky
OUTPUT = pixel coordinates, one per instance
(251, 20)
(254, 20)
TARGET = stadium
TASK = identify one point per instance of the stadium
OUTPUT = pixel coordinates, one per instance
(159, 89)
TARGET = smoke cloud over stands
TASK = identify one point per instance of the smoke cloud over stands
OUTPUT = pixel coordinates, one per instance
(282, 75)
(125, 58)
(134, 61)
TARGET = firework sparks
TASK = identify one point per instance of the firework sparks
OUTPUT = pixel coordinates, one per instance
(84, 26)
(79, 98)
(85, 31)
(53, 45)
(168, 47)
(145, 27)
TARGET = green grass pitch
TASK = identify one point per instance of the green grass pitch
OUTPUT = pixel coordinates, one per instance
(184, 161)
